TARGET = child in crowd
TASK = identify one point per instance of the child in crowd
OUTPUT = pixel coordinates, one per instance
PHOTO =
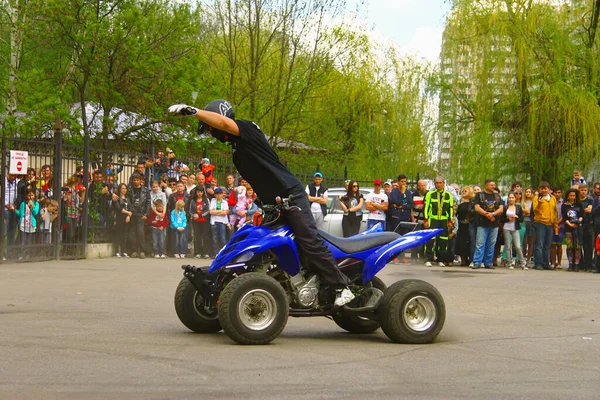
(179, 223)
(159, 221)
(199, 210)
(48, 214)
(72, 200)
(207, 170)
(27, 213)
(238, 217)
(218, 219)
(157, 194)
(577, 178)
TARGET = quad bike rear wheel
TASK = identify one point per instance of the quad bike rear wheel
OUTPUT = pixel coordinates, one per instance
(189, 305)
(412, 311)
(356, 323)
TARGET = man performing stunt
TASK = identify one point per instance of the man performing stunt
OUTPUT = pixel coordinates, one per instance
(258, 163)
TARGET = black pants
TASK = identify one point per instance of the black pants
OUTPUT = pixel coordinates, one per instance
(439, 244)
(351, 224)
(596, 233)
(136, 233)
(311, 247)
(587, 245)
(120, 235)
(202, 238)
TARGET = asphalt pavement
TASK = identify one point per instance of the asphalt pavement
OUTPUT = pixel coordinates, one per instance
(107, 329)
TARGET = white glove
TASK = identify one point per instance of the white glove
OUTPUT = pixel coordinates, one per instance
(183, 109)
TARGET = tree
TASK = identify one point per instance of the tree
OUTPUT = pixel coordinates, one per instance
(522, 99)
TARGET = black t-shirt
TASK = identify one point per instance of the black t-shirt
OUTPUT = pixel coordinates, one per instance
(258, 163)
(488, 203)
(571, 213)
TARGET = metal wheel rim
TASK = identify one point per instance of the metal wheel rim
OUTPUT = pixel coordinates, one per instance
(199, 307)
(257, 309)
(419, 313)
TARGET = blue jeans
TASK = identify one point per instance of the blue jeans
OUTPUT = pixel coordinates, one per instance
(218, 235)
(158, 241)
(372, 222)
(485, 244)
(541, 245)
(473, 239)
(181, 242)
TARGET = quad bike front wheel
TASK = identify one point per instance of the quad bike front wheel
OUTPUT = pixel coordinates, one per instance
(191, 310)
(412, 311)
(253, 309)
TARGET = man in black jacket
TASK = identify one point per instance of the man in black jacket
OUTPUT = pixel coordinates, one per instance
(258, 163)
(139, 198)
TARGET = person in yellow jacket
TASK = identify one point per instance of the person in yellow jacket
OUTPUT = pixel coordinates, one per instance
(439, 213)
(544, 224)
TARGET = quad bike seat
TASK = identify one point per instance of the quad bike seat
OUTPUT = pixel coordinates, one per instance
(358, 243)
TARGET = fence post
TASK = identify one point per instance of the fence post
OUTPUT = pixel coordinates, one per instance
(153, 176)
(86, 168)
(3, 191)
(57, 185)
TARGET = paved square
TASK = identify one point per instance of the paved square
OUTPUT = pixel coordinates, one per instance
(107, 329)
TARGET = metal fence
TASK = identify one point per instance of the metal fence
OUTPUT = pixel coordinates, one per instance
(75, 227)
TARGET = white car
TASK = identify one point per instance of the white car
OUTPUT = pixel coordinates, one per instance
(333, 220)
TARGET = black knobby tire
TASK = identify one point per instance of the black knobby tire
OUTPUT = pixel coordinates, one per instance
(189, 305)
(412, 312)
(355, 323)
(253, 309)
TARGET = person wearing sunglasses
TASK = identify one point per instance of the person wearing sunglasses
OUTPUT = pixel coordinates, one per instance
(352, 203)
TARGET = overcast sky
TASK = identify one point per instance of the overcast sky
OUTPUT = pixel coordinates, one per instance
(415, 25)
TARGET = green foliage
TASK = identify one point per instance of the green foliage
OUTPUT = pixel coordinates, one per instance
(329, 94)
(519, 89)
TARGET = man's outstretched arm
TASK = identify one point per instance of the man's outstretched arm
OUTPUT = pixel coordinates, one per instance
(212, 119)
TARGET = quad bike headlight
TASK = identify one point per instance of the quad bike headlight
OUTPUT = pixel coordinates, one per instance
(247, 256)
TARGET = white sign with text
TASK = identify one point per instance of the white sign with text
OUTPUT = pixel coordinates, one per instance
(18, 162)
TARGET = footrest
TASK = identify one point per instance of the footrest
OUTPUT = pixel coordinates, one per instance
(371, 299)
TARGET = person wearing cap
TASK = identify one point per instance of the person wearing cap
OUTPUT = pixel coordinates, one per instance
(207, 170)
(377, 205)
(439, 213)
(256, 160)
(317, 197)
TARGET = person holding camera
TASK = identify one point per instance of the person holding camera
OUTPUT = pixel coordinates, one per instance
(545, 220)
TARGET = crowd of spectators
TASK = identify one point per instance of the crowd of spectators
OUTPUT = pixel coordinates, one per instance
(525, 228)
(165, 209)
(162, 208)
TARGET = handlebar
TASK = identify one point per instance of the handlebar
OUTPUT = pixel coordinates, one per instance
(285, 201)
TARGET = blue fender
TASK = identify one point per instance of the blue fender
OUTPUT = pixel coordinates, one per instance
(377, 260)
(257, 242)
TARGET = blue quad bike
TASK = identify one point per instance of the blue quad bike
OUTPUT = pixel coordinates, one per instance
(257, 280)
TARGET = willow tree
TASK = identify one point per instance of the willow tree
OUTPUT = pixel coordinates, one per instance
(535, 105)
(271, 57)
